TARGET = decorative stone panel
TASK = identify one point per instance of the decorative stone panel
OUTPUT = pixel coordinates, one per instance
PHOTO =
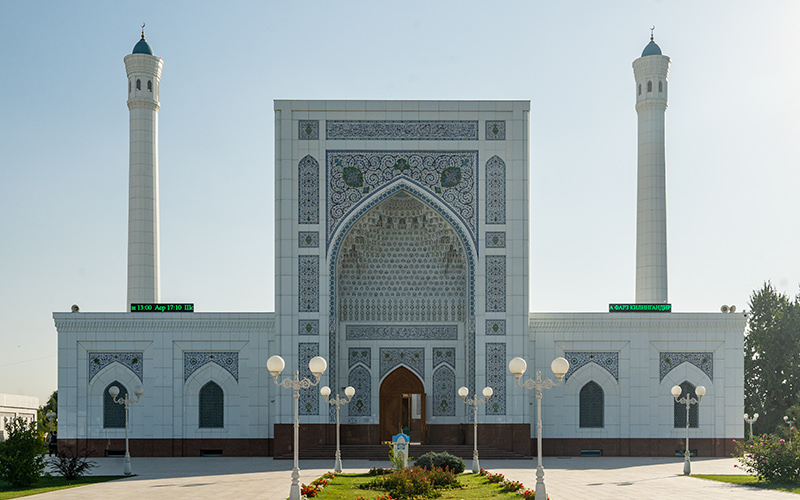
(496, 130)
(130, 360)
(495, 377)
(308, 130)
(495, 283)
(406, 130)
(193, 360)
(495, 191)
(444, 391)
(413, 358)
(606, 360)
(444, 355)
(667, 361)
(361, 404)
(398, 332)
(496, 239)
(361, 355)
(308, 239)
(308, 199)
(308, 327)
(308, 286)
(495, 327)
(309, 398)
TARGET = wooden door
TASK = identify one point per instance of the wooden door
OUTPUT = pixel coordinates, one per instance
(397, 410)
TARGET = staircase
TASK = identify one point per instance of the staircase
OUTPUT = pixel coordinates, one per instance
(380, 452)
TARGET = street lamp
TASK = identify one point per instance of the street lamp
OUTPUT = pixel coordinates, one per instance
(688, 401)
(51, 440)
(750, 421)
(317, 365)
(475, 402)
(126, 401)
(338, 401)
(790, 423)
(517, 367)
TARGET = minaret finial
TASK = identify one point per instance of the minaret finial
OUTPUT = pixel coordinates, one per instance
(652, 29)
(146, 23)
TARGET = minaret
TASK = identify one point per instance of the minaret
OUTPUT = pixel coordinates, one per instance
(651, 72)
(144, 75)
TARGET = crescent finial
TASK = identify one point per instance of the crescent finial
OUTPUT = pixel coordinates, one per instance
(143, 30)
(652, 28)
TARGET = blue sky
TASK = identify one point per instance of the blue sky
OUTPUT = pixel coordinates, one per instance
(732, 142)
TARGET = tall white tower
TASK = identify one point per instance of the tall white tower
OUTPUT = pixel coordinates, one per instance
(651, 72)
(144, 75)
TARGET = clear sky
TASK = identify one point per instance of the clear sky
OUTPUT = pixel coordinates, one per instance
(733, 142)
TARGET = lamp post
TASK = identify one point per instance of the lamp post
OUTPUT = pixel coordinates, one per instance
(750, 421)
(317, 365)
(475, 402)
(517, 367)
(790, 423)
(126, 401)
(688, 400)
(338, 402)
(51, 441)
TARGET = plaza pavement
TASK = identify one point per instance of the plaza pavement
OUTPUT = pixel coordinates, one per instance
(567, 478)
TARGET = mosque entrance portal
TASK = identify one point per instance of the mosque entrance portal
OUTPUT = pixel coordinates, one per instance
(402, 406)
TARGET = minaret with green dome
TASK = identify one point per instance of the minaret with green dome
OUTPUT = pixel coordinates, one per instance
(144, 76)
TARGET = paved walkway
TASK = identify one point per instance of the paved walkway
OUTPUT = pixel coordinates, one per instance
(575, 478)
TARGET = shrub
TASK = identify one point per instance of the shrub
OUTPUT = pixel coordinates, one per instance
(21, 454)
(511, 486)
(72, 466)
(770, 458)
(495, 478)
(443, 460)
(414, 482)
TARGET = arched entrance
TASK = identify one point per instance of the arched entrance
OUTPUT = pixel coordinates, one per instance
(402, 404)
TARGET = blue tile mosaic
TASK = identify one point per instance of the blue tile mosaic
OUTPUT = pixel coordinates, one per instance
(308, 283)
(308, 239)
(495, 191)
(495, 283)
(406, 130)
(361, 355)
(496, 377)
(394, 332)
(667, 361)
(444, 391)
(578, 359)
(308, 130)
(131, 360)
(308, 196)
(308, 327)
(361, 404)
(444, 355)
(309, 398)
(193, 360)
(496, 130)
(450, 177)
(495, 327)
(496, 239)
(413, 358)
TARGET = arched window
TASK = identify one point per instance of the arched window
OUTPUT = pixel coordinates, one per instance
(129, 86)
(138, 84)
(640, 89)
(649, 86)
(660, 86)
(212, 406)
(592, 405)
(150, 85)
(687, 390)
(114, 413)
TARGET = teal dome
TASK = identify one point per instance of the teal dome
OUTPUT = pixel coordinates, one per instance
(652, 49)
(142, 47)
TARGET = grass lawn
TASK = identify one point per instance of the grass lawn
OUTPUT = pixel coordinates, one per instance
(52, 483)
(474, 487)
(749, 481)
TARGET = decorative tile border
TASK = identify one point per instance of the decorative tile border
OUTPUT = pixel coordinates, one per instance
(496, 377)
(413, 358)
(308, 327)
(361, 355)
(444, 355)
(495, 239)
(308, 196)
(131, 360)
(403, 130)
(193, 360)
(578, 359)
(308, 283)
(495, 327)
(448, 176)
(496, 130)
(308, 130)
(361, 404)
(667, 361)
(444, 391)
(392, 332)
(309, 398)
(495, 283)
(308, 239)
(495, 191)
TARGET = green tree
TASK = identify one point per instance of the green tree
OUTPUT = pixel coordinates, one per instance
(22, 453)
(771, 357)
(41, 414)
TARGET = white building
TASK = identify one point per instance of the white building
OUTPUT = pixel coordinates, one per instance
(402, 258)
(15, 406)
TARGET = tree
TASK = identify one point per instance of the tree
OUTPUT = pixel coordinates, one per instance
(771, 357)
(21, 454)
(41, 414)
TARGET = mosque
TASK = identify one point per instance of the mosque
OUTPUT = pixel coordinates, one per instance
(401, 257)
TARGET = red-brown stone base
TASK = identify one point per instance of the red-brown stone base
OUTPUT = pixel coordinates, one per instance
(653, 447)
(170, 447)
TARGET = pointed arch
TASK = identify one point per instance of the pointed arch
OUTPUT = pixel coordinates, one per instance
(592, 405)
(114, 413)
(308, 195)
(211, 406)
(679, 409)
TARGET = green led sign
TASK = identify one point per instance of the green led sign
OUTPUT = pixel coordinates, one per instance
(160, 308)
(661, 308)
